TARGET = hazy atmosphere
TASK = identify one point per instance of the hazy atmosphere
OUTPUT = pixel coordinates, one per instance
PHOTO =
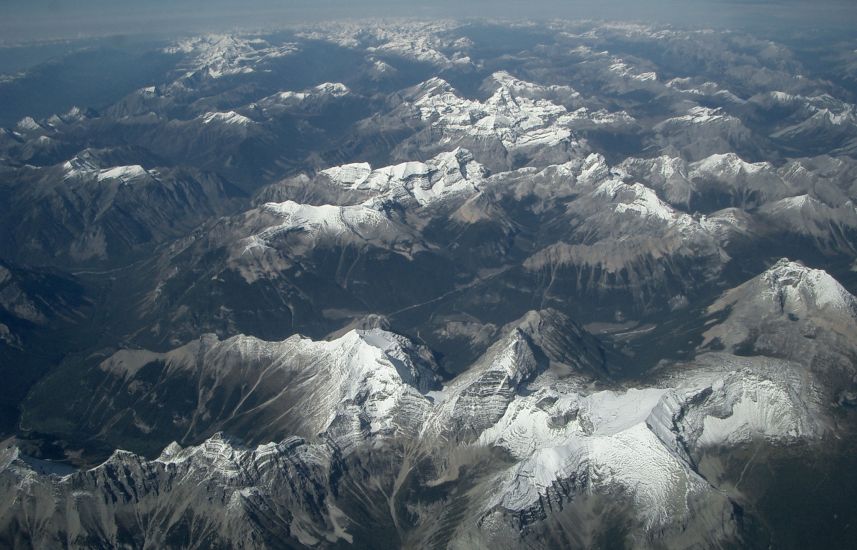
(24, 20)
(382, 275)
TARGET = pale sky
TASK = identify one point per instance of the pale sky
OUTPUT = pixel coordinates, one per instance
(23, 20)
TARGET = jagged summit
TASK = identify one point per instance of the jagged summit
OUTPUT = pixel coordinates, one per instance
(450, 174)
(363, 384)
(227, 118)
(563, 342)
(222, 55)
(790, 287)
(496, 130)
(430, 284)
(793, 312)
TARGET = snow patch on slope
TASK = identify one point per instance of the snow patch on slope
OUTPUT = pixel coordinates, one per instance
(447, 175)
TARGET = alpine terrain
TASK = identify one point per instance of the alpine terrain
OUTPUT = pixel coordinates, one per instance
(430, 284)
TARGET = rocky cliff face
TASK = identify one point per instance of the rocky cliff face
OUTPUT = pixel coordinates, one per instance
(432, 284)
(534, 434)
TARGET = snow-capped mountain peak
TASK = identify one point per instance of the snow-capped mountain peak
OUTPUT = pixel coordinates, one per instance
(228, 118)
(449, 174)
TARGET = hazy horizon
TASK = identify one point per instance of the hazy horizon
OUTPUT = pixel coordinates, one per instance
(22, 21)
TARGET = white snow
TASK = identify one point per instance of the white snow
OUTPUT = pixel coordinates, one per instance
(425, 41)
(124, 173)
(643, 202)
(627, 438)
(290, 230)
(349, 175)
(623, 69)
(217, 56)
(446, 175)
(324, 90)
(516, 120)
(727, 164)
(28, 123)
(584, 117)
(813, 286)
(86, 165)
(227, 118)
(759, 408)
(326, 218)
(608, 443)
